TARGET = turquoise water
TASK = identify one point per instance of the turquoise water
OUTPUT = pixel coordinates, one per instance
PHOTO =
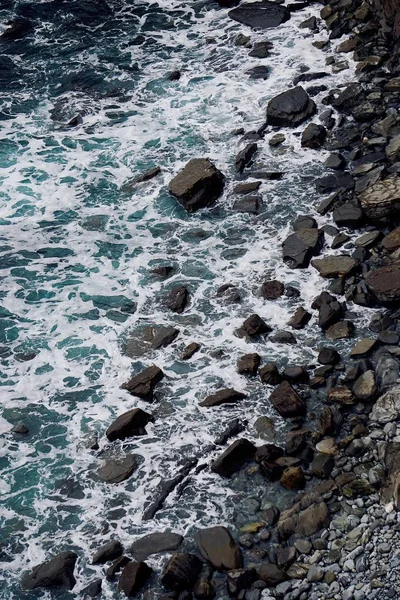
(76, 254)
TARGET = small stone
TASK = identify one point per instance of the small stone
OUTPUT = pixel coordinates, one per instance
(327, 446)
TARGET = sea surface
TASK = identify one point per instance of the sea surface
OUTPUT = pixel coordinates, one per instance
(77, 294)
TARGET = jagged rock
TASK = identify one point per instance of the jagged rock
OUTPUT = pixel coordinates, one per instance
(248, 364)
(382, 200)
(368, 240)
(204, 590)
(335, 161)
(116, 567)
(154, 543)
(178, 298)
(190, 350)
(287, 401)
(301, 246)
(387, 407)
(225, 396)
(348, 215)
(304, 222)
(310, 23)
(329, 314)
(130, 423)
(163, 271)
(248, 204)
(290, 108)
(269, 374)
(340, 395)
(164, 336)
(217, 546)
(244, 157)
(335, 266)
(300, 318)
(234, 458)
(277, 139)
(229, 292)
(313, 136)
(271, 290)
(296, 374)
(384, 284)
(197, 185)
(133, 577)
(261, 50)
(260, 72)
(365, 387)
(109, 551)
(143, 384)
(262, 15)
(393, 149)
(238, 580)
(252, 326)
(93, 589)
(57, 572)
(181, 571)
(322, 465)
(246, 188)
(334, 181)
(348, 45)
(340, 330)
(117, 470)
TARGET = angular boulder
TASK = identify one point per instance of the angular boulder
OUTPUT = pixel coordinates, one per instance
(178, 299)
(335, 266)
(117, 470)
(384, 284)
(313, 136)
(387, 407)
(287, 401)
(262, 15)
(271, 290)
(252, 326)
(142, 385)
(234, 458)
(133, 577)
(130, 423)
(197, 185)
(217, 546)
(248, 364)
(55, 573)
(290, 108)
(226, 396)
(109, 551)
(182, 571)
(382, 200)
(154, 543)
(299, 248)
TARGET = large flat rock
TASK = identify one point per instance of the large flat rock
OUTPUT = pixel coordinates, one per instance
(335, 266)
(382, 200)
(263, 15)
(154, 543)
(218, 548)
(142, 385)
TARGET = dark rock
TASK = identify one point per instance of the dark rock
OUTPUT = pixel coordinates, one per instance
(217, 547)
(327, 424)
(93, 589)
(290, 108)
(150, 174)
(261, 50)
(225, 396)
(229, 292)
(295, 374)
(304, 222)
(329, 314)
(239, 579)
(131, 423)
(322, 466)
(204, 590)
(252, 326)
(300, 318)
(269, 374)
(283, 337)
(333, 181)
(198, 185)
(174, 76)
(17, 29)
(190, 350)
(271, 290)
(382, 199)
(58, 572)
(287, 401)
(262, 15)
(248, 204)
(313, 136)
(296, 441)
(181, 571)
(309, 76)
(164, 336)
(163, 271)
(234, 458)
(154, 543)
(246, 188)
(260, 72)
(348, 215)
(384, 284)
(248, 364)
(142, 384)
(133, 577)
(336, 162)
(305, 517)
(178, 298)
(117, 470)
(365, 388)
(328, 356)
(116, 567)
(277, 140)
(339, 240)
(244, 157)
(301, 246)
(271, 574)
(286, 557)
(109, 551)
(310, 23)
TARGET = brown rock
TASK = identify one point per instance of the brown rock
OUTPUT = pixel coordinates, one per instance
(287, 401)
(335, 266)
(142, 384)
(197, 185)
(217, 546)
(225, 396)
(234, 458)
(340, 330)
(252, 326)
(271, 290)
(392, 240)
(293, 478)
(384, 283)
(133, 577)
(130, 423)
(248, 364)
(269, 374)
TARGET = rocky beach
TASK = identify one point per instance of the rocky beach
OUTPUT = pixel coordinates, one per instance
(200, 307)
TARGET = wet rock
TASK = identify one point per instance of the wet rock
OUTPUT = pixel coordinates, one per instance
(174, 76)
(295, 374)
(340, 330)
(248, 364)
(326, 423)
(340, 395)
(246, 188)
(225, 396)
(163, 271)
(287, 401)
(190, 350)
(348, 215)
(263, 15)
(265, 428)
(244, 157)
(368, 240)
(116, 567)
(384, 284)
(387, 407)
(58, 572)
(391, 241)
(217, 547)
(363, 348)
(234, 458)
(290, 108)
(334, 181)
(365, 387)
(178, 298)
(328, 356)
(181, 571)
(261, 49)
(229, 292)
(271, 290)
(150, 174)
(305, 518)
(164, 336)
(322, 466)
(335, 266)
(249, 204)
(93, 589)
(142, 385)
(300, 318)
(109, 551)
(117, 470)
(197, 185)
(204, 590)
(283, 337)
(382, 200)
(286, 557)
(154, 543)
(301, 246)
(130, 423)
(260, 72)
(339, 240)
(310, 23)
(133, 577)
(270, 574)
(252, 326)
(269, 374)
(20, 428)
(336, 162)
(296, 441)
(304, 222)
(313, 136)
(239, 579)
(293, 478)
(277, 140)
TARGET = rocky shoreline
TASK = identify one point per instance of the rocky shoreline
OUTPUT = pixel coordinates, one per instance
(338, 539)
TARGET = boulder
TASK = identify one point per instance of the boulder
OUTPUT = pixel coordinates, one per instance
(239, 580)
(244, 157)
(293, 478)
(340, 395)
(260, 15)
(393, 149)
(340, 330)
(142, 385)
(391, 241)
(290, 108)
(57, 572)
(248, 204)
(116, 567)
(304, 222)
(305, 518)
(322, 465)
(154, 543)
(130, 423)
(283, 337)
(163, 336)
(181, 571)
(252, 326)
(217, 546)
(190, 350)
(384, 284)
(178, 298)
(197, 185)
(234, 458)
(387, 407)
(337, 162)
(348, 215)
(363, 348)
(382, 200)
(117, 470)
(248, 364)
(93, 589)
(270, 574)
(328, 356)
(133, 577)
(313, 136)
(225, 396)
(269, 374)
(334, 181)
(300, 318)
(271, 290)
(365, 387)
(204, 590)
(299, 248)
(261, 50)
(335, 266)
(109, 551)
(247, 187)
(287, 401)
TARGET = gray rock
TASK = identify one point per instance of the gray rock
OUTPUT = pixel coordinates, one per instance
(133, 577)
(109, 551)
(217, 546)
(58, 572)
(117, 470)
(290, 108)
(154, 543)
(262, 15)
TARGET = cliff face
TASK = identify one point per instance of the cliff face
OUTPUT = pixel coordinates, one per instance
(389, 12)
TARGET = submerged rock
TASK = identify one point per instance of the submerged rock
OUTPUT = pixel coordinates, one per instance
(262, 15)
(234, 458)
(290, 108)
(154, 543)
(55, 573)
(130, 423)
(217, 546)
(198, 185)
